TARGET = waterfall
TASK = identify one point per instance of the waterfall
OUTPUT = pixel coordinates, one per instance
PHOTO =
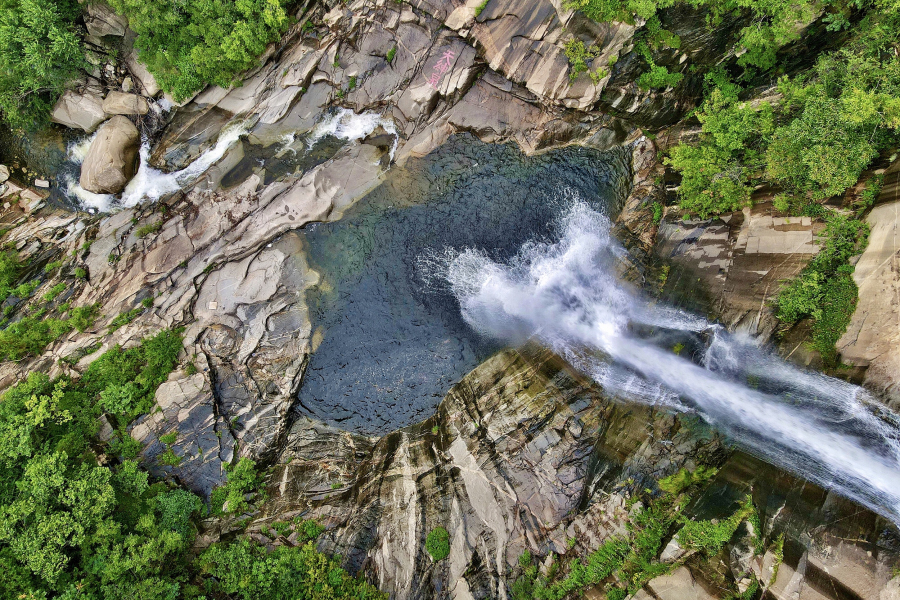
(565, 294)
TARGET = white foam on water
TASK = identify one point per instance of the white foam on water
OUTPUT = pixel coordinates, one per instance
(77, 150)
(87, 200)
(566, 295)
(348, 125)
(150, 184)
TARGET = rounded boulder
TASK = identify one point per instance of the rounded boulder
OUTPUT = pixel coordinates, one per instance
(112, 159)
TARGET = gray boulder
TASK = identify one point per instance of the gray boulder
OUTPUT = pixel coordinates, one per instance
(142, 76)
(79, 110)
(101, 20)
(112, 159)
(119, 103)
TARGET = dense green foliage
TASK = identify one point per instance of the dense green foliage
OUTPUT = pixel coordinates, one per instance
(825, 290)
(774, 22)
(73, 525)
(187, 44)
(438, 543)
(229, 498)
(814, 143)
(716, 172)
(288, 573)
(40, 51)
(69, 526)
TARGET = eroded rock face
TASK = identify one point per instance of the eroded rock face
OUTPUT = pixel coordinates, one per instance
(742, 259)
(112, 159)
(509, 463)
(79, 110)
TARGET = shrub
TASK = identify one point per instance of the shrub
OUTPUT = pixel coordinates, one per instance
(825, 291)
(125, 318)
(579, 56)
(658, 77)
(146, 230)
(229, 498)
(307, 529)
(201, 41)
(247, 571)
(83, 317)
(29, 336)
(708, 536)
(55, 291)
(9, 271)
(391, 54)
(438, 544)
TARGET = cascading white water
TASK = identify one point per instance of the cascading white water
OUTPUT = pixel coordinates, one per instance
(566, 295)
(150, 184)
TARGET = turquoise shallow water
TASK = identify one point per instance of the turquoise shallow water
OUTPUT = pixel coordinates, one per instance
(391, 346)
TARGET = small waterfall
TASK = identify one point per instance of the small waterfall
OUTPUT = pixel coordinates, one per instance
(564, 293)
(151, 184)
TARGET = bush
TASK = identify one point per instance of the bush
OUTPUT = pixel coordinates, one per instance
(146, 230)
(287, 573)
(30, 336)
(658, 77)
(579, 56)
(825, 291)
(40, 52)
(55, 291)
(124, 381)
(229, 498)
(708, 536)
(438, 544)
(83, 317)
(191, 43)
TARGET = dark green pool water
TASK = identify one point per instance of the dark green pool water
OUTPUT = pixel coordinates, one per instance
(392, 346)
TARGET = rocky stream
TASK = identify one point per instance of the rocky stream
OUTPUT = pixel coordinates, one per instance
(421, 283)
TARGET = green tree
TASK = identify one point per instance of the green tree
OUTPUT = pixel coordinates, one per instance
(40, 51)
(187, 44)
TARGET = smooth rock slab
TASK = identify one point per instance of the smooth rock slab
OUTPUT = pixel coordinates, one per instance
(79, 110)
(120, 103)
(873, 337)
(679, 585)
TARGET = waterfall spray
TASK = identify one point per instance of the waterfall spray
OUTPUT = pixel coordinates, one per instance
(566, 295)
